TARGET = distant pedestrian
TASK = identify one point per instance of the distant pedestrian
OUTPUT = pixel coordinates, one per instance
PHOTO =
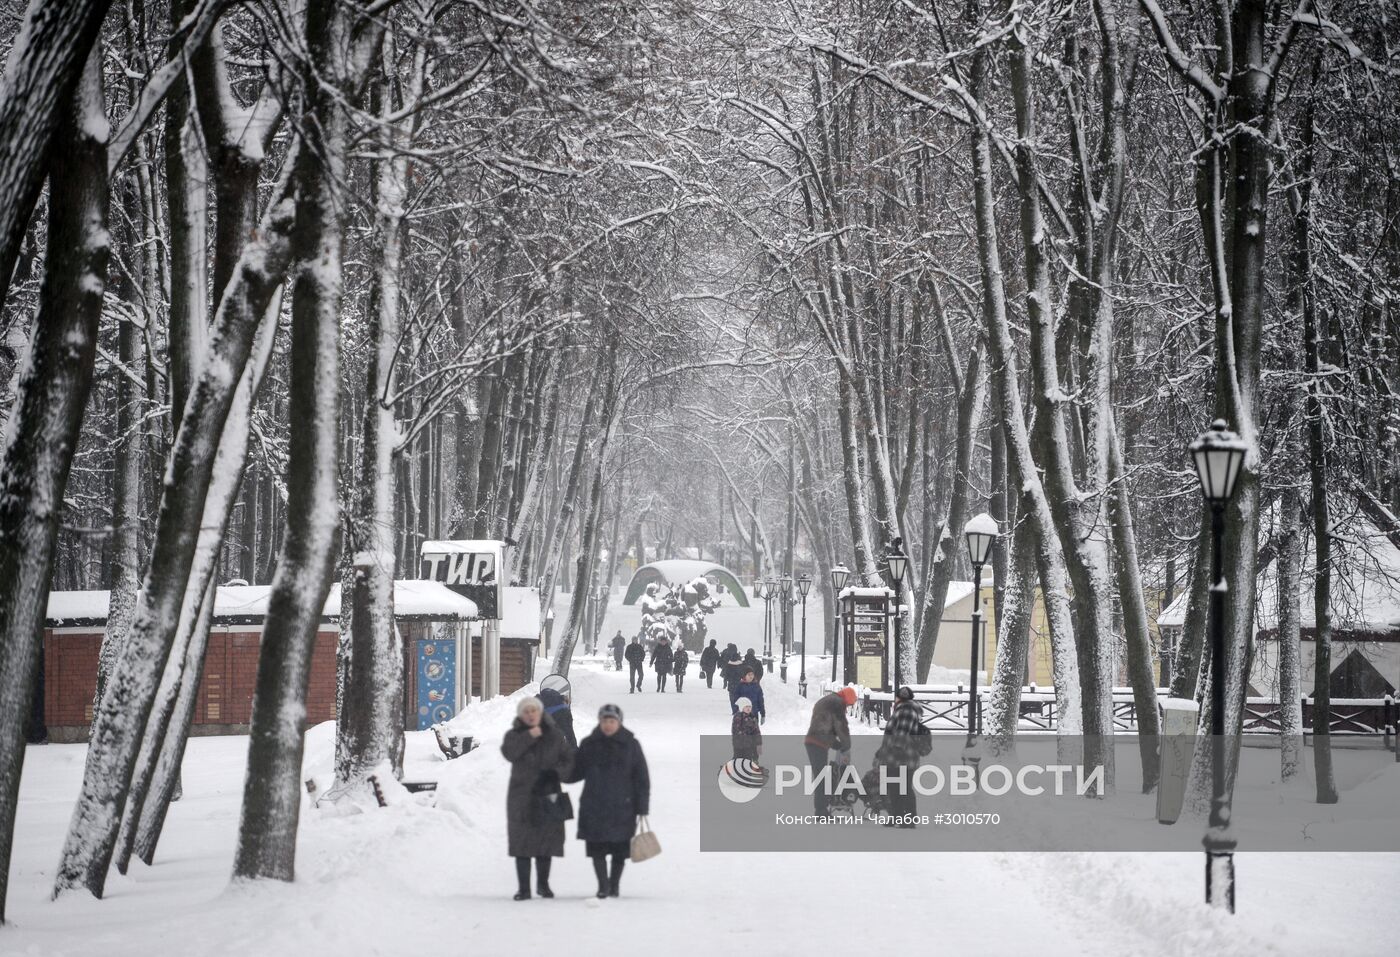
(744, 733)
(730, 664)
(618, 646)
(616, 792)
(748, 688)
(828, 731)
(540, 757)
(679, 662)
(636, 659)
(661, 660)
(709, 661)
(752, 663)
(556, 705)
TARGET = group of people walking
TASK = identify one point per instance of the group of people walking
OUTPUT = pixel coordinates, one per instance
(666, 660)
(543, 757)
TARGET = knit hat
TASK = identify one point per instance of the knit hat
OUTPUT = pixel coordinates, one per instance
(848, 695)
(742, 703)
(609, 711)
(905, 693)
(528, 702)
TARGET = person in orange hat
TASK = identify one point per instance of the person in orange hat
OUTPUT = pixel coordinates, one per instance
(827, 731)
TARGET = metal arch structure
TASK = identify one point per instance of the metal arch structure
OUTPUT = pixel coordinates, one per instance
(679, 571)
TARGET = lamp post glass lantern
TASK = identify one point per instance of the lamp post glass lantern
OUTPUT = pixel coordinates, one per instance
(804, 585)
(1218, 455)
(839, 575)
(979, 534)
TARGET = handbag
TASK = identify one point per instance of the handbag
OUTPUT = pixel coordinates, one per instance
(645, 846)
(554, 808)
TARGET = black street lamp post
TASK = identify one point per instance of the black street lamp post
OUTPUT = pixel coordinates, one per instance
(1218, 455)
(785, 596)
(804, 584)
(898, 564)
(765, 591)
(979, 533)
(758, 584)
(839, 574)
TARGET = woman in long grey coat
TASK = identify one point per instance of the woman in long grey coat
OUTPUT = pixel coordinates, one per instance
(539, 757)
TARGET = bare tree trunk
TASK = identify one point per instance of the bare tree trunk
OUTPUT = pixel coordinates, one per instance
(555, 545)
(588, 533)
(1290, 691)
(940, 572)
(1078, 526)
(156, 778)
(341, 43)
(1001, 354)
(36, 90)
(1013, 641)
(1132, 599)
(43, 429)
(119, 726)
(370, 723)
(125, 558)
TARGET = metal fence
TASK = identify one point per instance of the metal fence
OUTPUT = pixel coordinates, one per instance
(945, 708)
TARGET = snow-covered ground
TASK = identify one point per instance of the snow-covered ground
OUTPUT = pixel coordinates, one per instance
(416, 879)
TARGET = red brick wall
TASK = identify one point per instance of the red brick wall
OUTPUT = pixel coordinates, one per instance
(226, 687)
(70, 678)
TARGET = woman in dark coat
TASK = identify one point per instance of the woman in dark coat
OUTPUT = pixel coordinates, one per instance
(730, 663)
(661, 659)
(540, 757)
(616, 791)
(751, 663)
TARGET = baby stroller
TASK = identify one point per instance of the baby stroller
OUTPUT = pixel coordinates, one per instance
(867, 800)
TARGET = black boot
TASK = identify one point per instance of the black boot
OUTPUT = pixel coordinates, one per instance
(542, 877)
(600, 871)
(615, 876)
(522, 877)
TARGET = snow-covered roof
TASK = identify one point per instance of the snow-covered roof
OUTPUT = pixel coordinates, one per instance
(1365, 585)
(957, 591)
(470, 546)
(246, 604)
(425, 599)
(851, 591)
(1174, 615)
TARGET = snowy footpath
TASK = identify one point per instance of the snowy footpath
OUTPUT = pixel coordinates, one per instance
(418, 879)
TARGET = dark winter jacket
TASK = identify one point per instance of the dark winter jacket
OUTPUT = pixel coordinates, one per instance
(751, 663)
(829, 728)
(680, 661)
(557, 708)
(616, 786)
(618, 646)
(661, 658)
(709, 659)
(536, 767)
(636, 653)
(730, 665)
(906, 738)
(751, 690)
(745, 735)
